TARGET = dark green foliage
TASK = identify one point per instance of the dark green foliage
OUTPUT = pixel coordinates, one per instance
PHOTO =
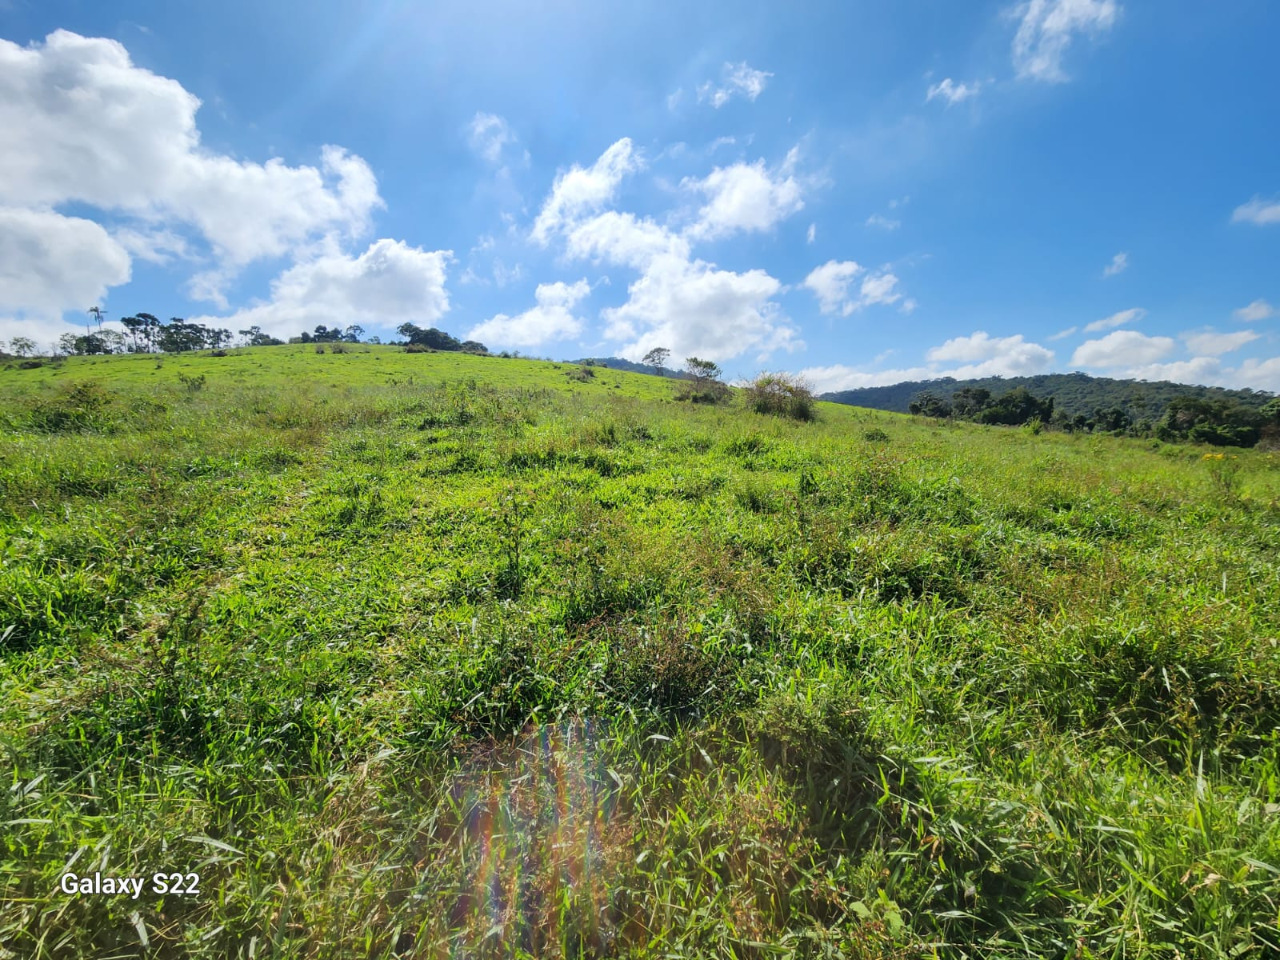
(1016, 407)
(781, 395)
(930, 405)
(434, 339)
(1073, 393)
(1217, 422)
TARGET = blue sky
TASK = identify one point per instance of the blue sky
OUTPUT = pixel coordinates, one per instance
(865, 192)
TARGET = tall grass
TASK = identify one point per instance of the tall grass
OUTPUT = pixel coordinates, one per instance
(424, 655)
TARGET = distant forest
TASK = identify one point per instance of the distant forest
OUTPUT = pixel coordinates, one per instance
(1079, 403)
(1072, 393)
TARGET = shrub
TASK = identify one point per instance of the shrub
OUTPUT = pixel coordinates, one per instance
(875, 435)
(417, 348)
(781, 395)
(711, 392)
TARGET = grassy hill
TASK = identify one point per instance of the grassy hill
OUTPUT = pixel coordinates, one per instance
(1073, 392)
(437, 655)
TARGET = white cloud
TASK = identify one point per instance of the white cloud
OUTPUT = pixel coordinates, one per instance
(830, 283)
(1119, 264)
(580, 191)
(50, 263)
(1123, 348)
(1258, 211)
(84, 125)
(812, 235)
(389, 284)
(1014, 353)
(736, 79)
(1258, 310)
(978, 355)
(1119, 319)
(876, 220)
(1211, 344)
(745, 197)
(1203, 370)
(1047, 28)
(685, 304)
(879, 288)
(953, 92)
(551, 319)
(838, 376)
(1063, 334)
(490, 135)
(1258, 374)
(695, 309)
(625, 239)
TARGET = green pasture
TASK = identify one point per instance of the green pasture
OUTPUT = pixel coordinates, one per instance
(439, 655)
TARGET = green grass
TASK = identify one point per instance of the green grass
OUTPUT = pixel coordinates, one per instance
(433, 655)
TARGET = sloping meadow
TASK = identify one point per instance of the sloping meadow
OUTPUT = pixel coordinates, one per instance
(440, 656)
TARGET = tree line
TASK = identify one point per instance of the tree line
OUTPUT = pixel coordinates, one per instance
(1219, 421)
(147, 333)
(1073, 393)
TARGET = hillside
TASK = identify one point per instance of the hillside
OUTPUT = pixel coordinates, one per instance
(396, 650)
(617, 363)
(1076, 393)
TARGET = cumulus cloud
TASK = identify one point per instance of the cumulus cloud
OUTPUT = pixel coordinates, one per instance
(1119, 264)
(977, 355)
(678, 301)
(832, 284)
(1119, 319)
(736, 79)
(1259, 374)
(876, 220)
(1258, 310)
(1124, 348)
(579, 191)
(1257, 211)
(624, 238)
(50, 263)
(745, 198)
(812, 233)
(84, 125)
(551, 319)
(952, 92)
(696, 309)
(389, 284)
(1211, 344)
(1013, 353)
(1047, 28)
(1063, 334)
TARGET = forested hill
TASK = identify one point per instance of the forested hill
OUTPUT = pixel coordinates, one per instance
(1072, 393)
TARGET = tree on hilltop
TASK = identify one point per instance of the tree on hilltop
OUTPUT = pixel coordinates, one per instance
(657, 358)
